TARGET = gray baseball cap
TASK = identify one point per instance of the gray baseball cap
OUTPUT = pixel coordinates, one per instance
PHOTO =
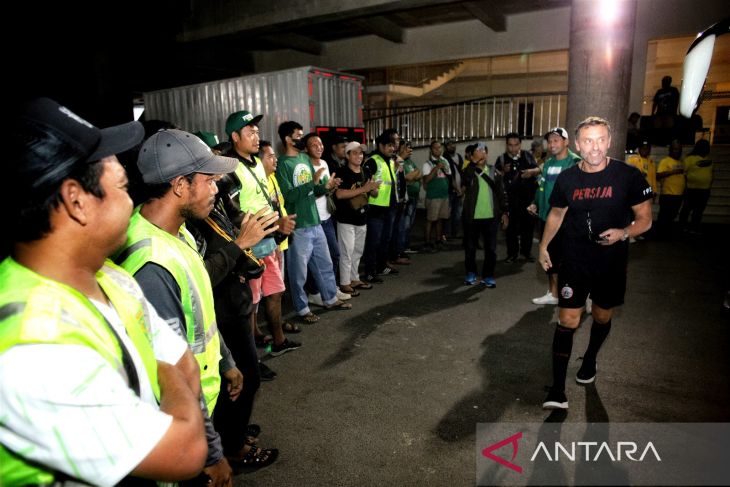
(171, 153)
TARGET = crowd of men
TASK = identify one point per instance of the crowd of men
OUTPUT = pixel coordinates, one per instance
(139, 316)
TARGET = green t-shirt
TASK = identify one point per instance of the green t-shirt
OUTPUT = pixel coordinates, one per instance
(550, 172)
(438, 187)
(483, 207)
(294, 175)
(413, 187)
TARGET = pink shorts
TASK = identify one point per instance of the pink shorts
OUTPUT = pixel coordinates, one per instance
(271, 281)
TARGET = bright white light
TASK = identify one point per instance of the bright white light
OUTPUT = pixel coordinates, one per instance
(137, 110)
(608, 10)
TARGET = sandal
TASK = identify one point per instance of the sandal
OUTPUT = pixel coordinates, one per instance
(263, 340)
(255, 458)
(360, 285)
(349, 290)
(338, 305)
(310, 318)
(290, 327)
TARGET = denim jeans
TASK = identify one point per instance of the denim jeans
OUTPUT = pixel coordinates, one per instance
(328, 227)
(406, 223)
(308, 249)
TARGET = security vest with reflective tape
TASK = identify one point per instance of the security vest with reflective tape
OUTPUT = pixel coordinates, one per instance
(252, 197)
(147, 243)
(383, 173)
(38, 310)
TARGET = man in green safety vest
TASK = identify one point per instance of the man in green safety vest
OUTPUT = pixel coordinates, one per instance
(96, 387)
(180, 173)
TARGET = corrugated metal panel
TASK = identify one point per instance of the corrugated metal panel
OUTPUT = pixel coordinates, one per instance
(280, 96)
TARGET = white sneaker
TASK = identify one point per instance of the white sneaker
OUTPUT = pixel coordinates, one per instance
(589, 305)
(547, 299)
(315, 299)
(343, 296)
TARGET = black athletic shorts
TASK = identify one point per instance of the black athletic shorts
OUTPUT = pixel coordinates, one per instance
(605, 282)
(555, 250)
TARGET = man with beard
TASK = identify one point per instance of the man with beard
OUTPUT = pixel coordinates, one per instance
(180, 173)
(598, 204)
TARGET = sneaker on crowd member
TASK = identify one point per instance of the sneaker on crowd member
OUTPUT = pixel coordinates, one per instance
(471, 279)
(286, 346)
(548, 298)
(489, 282)
(370, 278)
(389, 271)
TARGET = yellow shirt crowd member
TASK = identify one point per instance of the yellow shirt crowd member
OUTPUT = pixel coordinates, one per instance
(647, 166)
(674, 184)
(699, 172)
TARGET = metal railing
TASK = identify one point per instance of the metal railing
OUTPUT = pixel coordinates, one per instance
(483, 118)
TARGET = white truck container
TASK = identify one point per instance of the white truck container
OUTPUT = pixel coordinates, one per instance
(319, 99)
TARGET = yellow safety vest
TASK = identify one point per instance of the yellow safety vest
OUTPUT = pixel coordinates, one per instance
(147, 243)
(36, 310)
(383, 173)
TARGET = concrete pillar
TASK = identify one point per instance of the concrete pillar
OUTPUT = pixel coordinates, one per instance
(599, 71)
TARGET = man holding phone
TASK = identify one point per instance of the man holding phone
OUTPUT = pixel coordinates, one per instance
(598, 205)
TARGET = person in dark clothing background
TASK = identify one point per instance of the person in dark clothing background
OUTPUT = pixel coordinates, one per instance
(484, 208)
(230, 264)
(520, 173)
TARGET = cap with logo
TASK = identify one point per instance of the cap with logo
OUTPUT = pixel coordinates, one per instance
(80, 141)
(236, 121)
(354, 145)
(171, 153)
(558, 131)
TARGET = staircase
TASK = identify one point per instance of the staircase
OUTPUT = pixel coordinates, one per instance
(718, 208)
(427, 86)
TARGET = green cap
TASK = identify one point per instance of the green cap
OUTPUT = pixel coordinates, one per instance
(209, 138)
(236, 121)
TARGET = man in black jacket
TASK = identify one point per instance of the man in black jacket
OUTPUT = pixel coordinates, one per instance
(230, 263)
(485, 205)
(520, 173)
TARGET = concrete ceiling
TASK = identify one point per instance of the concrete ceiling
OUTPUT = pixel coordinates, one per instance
(139, 45)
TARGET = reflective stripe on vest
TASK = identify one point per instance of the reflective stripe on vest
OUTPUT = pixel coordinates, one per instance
(382, 173)
(38, 310)
(150, 244)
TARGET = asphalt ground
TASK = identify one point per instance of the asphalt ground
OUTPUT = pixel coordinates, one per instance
(390, 392)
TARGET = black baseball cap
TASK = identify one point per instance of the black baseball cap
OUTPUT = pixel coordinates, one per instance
(80, 141)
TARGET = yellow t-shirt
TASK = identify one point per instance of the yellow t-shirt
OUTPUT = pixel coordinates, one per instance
(699, 172)
(674, 184)
(274, 189)
(647, 168)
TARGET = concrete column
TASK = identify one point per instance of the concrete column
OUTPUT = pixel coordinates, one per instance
(599, 71)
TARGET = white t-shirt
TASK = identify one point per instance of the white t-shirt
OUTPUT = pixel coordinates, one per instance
(321, 201)
(431, 163)
(62, 402)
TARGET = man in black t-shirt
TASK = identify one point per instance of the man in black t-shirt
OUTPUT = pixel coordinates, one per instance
(352, 207)
(598, 204)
